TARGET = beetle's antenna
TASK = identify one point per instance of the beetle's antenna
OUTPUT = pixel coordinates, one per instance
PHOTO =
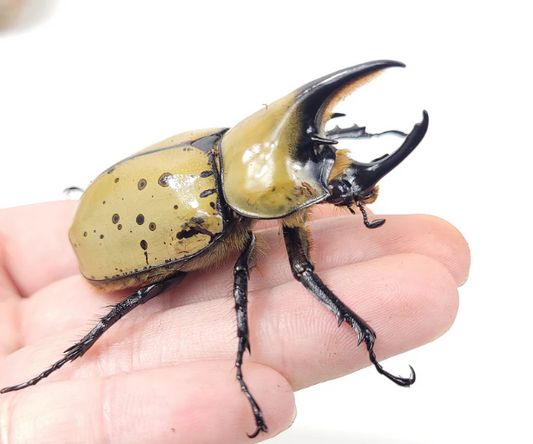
(374, 224)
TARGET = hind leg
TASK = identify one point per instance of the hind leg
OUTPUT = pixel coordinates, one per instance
(140, 297)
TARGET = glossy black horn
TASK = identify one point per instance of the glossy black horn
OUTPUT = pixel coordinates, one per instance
(366, 175)
(314, 98)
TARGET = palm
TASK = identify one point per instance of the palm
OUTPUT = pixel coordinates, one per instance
(162, 372)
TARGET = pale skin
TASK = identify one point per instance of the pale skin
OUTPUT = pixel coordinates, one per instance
(164, 373)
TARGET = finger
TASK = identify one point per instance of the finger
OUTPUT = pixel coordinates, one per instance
(408, 300)
(317, 212)
(189, 403)
(10, 339)
(35, 244)
(69, 304)
(342, 240)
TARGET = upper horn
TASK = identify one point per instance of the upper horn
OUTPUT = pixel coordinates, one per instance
(316, 99)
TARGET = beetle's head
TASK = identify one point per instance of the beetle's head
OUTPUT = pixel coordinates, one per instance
(280, 159)
(357, 182)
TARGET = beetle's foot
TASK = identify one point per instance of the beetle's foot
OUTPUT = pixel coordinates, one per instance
(261, 427)
(71, 354)
(40, 377)
(370, 338)
(365, 333)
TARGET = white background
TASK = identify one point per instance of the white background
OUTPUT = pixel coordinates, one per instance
(85, 83)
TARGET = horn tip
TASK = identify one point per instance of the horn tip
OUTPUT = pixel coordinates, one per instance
(425, 119)
(387, 64)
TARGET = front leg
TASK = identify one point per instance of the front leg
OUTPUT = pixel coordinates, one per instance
(303, 270)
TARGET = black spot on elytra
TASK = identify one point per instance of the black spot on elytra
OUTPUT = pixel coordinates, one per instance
(139, 219)
(144, 244)
(206, 173)
(207, 192)
(212, 204)
(152, 226)
(116, 180)
(175, 207)
(115, 218)
(142, 184)
(188, 232)
(101, 236)
(103, 202)
(85, 234)
(119, 226)
(163, 179)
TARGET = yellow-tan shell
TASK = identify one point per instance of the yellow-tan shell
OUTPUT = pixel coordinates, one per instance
(260, 175)
(154, 208)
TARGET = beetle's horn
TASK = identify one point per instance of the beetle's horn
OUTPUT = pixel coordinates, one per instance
(317, 99)
(368, 174)
(284, 148)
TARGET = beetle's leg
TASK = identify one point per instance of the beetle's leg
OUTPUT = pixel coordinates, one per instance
(303, 270)
(141, 296)
(240, 291)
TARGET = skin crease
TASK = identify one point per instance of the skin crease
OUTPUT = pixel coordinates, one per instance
(164, 372)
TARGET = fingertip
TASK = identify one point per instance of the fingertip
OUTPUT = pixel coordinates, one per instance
(449, 245)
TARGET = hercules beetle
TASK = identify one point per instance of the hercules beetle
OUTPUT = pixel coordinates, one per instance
(189, 201)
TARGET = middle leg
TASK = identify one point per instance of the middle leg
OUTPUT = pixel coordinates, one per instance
(240, 292)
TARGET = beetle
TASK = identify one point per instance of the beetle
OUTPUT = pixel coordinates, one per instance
(188, 202)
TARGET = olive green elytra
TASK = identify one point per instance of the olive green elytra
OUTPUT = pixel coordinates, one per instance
(191, 201)
(150, 210)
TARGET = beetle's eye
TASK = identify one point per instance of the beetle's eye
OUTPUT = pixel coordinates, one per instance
(339, 191)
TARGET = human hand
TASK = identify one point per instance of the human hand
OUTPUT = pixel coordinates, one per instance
(164, 373)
